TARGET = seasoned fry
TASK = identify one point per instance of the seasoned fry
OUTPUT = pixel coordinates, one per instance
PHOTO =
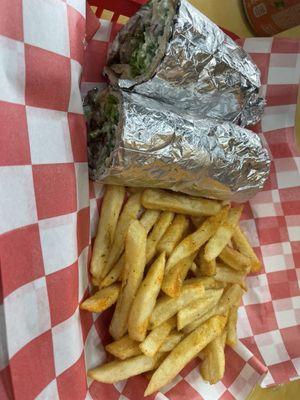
(111, 206)
(128, 214)
(119, 370)
(102, 299)
(242, 245)
(157, 233)
(171, 341)
(135, 261)
(124, 348)
(173, 234)
(114, 274)
(173, 280)
(145, 300)
(231, 338)
(235, 259)
(222, 235)
(167, 306)
(207, 282)
(229, 275)
(230, 297)
(207, 268)
(184, 352)
(213, 367)
(156, 199)
(156, 337)
(198, 308)
(194, 241)
(149, 218)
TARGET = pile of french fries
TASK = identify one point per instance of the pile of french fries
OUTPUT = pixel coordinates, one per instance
(175, 268)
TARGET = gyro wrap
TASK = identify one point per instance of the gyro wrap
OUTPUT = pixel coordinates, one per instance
(170, 51)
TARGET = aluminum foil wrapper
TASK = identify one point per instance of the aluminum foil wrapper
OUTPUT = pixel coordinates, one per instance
(202, 72)
(158, 148)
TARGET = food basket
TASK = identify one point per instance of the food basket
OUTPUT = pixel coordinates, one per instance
(49, 213)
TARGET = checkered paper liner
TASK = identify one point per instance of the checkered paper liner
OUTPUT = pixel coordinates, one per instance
(49, 213)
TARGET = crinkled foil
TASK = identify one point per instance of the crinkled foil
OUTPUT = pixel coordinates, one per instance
(203, 73)
(158, 148)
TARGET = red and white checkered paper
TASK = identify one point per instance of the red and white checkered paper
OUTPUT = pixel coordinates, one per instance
(49, 212)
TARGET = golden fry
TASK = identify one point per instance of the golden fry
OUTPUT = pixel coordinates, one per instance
(213, 367)
(198, 308)
(171, 341)
(235, 259)
(222, 235)
(145, 300)
(156, 199)
(166, 307)
(149, 218)
(194, 241)
(157, 233)
(114, 274)
(173, 234)
(135, 261)
(230, 297)
(156, 337)
(124, 348)
(206, 268)
(173, 280)
(102, 299)
(231, 338)
(119, 370)
(242, 244)
(111, 206)
(207, 281)
(184, 352)
(129, 214)
(229, 275)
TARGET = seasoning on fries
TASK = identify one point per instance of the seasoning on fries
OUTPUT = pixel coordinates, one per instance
(176, 271)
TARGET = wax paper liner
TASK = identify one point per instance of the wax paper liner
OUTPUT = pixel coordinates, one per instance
(49, 211)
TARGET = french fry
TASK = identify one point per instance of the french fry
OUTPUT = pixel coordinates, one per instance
(156, 337)
(242, 245)
(206, 268)
(213, 367)
(231, 338)
(207, 281)
(119, 370)
(135, 261)
(114, 274)
(102, 299)
(128, 215)
(124, 348)
(229, 275)
(235, 259)
(171, 341)
(149, 218)
(157, 233)
(173, 234)
(194, 241)
(111, 206)
(156, 199)
(145, 300)
(230, 297)
(198, 308)
(173, 280)
(166, 307)
(184, 352)
(222, 235)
